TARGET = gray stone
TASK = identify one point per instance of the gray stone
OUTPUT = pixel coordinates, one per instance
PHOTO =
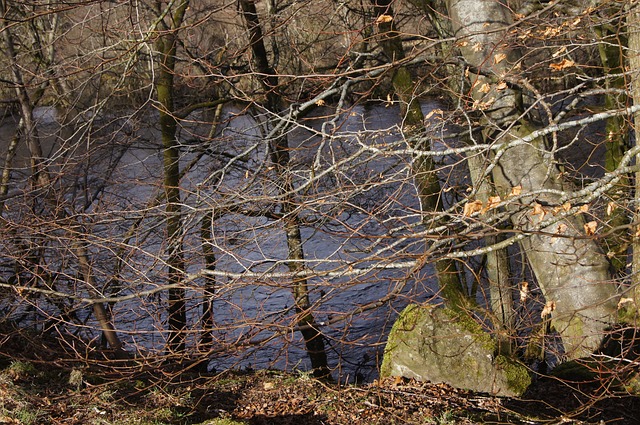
(432, 344)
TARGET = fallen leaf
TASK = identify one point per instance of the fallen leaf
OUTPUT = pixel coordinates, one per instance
(563, 64)
(320, 102)
(590, 228)
(499, 57)
(548, 308)
(485, 88)
(515, 191)
(584, 208)
(434, 112)
(492, 203)
(501, 85)
(611, 207)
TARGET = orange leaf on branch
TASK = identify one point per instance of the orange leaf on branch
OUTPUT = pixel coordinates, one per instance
(563, 64)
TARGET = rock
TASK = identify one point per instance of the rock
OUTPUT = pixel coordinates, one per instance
(432, 344)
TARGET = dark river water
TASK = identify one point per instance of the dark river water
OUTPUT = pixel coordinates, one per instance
(357, 214)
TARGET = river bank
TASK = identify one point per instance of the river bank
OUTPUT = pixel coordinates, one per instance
(37, 393)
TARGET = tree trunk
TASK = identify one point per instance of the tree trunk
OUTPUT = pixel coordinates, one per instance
(279, 148)
(167, 46)
(451, 288)
(206, 236)
(570, 269)
(497, 261)
(99, 310)
(611, 43)
(633, 24)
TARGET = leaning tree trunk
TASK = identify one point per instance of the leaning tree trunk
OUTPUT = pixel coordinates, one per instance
(570, 269)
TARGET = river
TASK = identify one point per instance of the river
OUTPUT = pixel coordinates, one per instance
(356, 214)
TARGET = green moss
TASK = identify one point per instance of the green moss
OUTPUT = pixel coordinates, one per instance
(473, 327)
(517, 375)
(22, 369)
(406, 321)
(633, 385)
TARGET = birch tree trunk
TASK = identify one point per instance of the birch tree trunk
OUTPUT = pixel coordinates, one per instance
(570, 268)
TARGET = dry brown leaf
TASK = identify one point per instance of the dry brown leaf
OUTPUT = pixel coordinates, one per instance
(501, 85)
(471, 207)
(548, 308)
(538, 210)
(485, 88)
(584, 208)
(462, 43)
(499, 57)
(515, 191)
(434, 112)
(611, 207)
(384, 19)
(562, 228)
(492, 203)
(563, 64)
(590, 228)
(624, 301)
(524, 291)
(320, 102)
(480, 105)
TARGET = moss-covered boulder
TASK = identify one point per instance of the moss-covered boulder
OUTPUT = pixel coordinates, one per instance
(433, 344)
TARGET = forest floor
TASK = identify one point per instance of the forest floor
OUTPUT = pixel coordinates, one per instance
(41, 393)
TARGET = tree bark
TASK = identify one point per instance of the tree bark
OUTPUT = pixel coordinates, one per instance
(429, 191)
(633, 24)
(610, 46)
(167, 46)
(279, 148)
(206, 236)
(497, 261)
(570, 269)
